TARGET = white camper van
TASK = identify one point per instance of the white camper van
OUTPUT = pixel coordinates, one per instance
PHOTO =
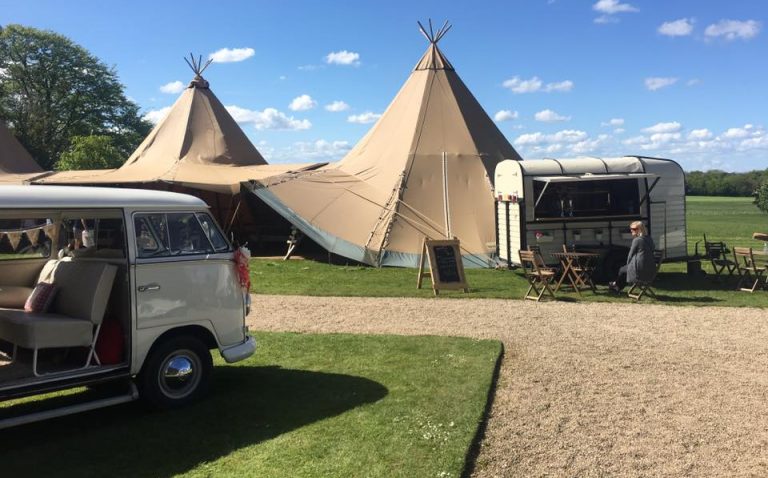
(113, 287)
(589, 203)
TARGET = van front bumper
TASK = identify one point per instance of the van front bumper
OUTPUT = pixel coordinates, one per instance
(239, 352)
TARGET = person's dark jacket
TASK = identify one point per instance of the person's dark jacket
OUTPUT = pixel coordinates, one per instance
(640, 263)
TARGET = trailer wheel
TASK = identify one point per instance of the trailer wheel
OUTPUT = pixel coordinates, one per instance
(176, 373)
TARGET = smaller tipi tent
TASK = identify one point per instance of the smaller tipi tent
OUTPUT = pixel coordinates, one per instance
(198, 149)
(197, 145)
(422, 171)
(16, 165)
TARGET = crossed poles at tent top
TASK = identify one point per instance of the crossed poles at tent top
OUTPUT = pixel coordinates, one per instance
(431, 36)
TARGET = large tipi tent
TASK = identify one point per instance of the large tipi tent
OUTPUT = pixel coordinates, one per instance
(197, 148)
(16, 165)
(423, 171)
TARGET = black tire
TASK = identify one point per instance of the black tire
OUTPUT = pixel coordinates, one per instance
(177, 372)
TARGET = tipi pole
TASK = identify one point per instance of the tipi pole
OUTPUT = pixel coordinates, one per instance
(446, 206)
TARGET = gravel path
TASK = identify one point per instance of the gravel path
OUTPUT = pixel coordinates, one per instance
(589, 389)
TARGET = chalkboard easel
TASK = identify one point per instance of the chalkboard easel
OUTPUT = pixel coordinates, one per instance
(445, 267)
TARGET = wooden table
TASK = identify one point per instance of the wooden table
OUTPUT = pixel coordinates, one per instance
(578, 268)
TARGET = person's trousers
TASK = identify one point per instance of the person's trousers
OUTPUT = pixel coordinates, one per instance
(621, 280)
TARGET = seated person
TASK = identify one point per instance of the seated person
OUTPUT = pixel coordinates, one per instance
(640, 263)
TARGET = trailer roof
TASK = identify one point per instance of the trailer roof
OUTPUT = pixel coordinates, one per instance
(593, 177)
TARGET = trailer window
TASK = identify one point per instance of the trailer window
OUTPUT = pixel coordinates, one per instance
(593, 198)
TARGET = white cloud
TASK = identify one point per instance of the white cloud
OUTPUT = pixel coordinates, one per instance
(3, 72)
(337, 106)
(613, 122)
(657, 83)
(611, 7)
(738, 132)
(692, 82)
(320, 150)
(342, 57)
(282, 77)
(549, 116)
(733, 29)
(173, 87)
(230, 55)
(519, 85)
(699, 134)
(364, 118)
(618, 130)
(505, 115)
(665, 137)
(530, 138)
(605, 19)
(564, 136)
(670, 127)
(310, 67)
(677, 28)
(566, 85)
(635, 140)
(269, 118)
(155, 116)
(302, 103)
(590, 145)
(568, 136)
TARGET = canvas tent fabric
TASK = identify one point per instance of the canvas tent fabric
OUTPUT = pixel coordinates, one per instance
(197, 145)
(422, 171)
(16, 165)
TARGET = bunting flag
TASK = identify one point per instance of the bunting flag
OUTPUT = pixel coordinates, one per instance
(50, 230)
(15, 238)
(33, 234)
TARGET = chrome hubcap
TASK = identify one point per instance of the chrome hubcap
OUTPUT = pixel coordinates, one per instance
(179, 375)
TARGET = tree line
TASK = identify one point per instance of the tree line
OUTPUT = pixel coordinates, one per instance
(64, 105)
(721, 183)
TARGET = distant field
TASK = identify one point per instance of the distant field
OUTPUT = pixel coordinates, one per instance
(728, 219)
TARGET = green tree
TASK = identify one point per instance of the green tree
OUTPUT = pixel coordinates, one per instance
(90, 152)
(761, 197)
(52, 90)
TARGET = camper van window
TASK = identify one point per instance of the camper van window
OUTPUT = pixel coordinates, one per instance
(581, 199)
(213, 233)
(173, 234)
(26, 238)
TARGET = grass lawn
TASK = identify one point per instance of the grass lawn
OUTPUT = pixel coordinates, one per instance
(303, 406)
(732, 220)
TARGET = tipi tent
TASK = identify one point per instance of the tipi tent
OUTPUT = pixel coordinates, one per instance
(422, 171)
(198, 145)
(198, 148)
(16, 165)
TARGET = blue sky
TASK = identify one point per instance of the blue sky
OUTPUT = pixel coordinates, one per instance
(681, 79)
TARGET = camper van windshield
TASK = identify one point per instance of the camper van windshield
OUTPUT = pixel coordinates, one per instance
(580, 199)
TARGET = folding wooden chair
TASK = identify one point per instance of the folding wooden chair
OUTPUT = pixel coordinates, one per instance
(717, 253)
(641, 288)
(539, 277)
(748, 269)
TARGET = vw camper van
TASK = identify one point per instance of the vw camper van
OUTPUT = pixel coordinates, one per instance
(117, 289)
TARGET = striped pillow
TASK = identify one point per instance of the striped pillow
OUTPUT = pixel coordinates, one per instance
(41, 298)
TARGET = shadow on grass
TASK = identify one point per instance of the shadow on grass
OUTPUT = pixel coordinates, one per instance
(247, 406)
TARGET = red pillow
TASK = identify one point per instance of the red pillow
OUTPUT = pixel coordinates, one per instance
(41, 298)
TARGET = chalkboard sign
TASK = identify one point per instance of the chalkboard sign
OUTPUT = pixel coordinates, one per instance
(445, 267)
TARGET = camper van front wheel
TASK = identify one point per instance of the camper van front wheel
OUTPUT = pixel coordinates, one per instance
(176, 372)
